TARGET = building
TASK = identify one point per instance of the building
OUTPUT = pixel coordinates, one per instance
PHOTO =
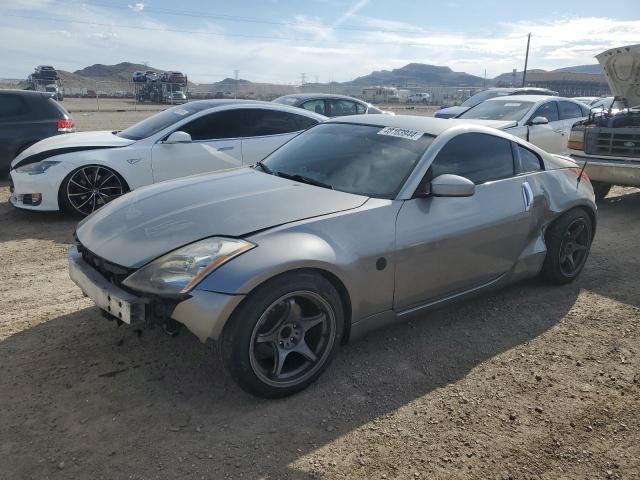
(569, 84)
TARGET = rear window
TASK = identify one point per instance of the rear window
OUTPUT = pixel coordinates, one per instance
(12, 106)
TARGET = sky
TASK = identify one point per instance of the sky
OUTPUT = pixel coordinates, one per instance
(326, 40)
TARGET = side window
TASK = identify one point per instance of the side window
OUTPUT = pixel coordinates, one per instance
(316, 106)
(11, 107)
(548, 110)
(477, 156)
(569, 110)
(360, 109)
(260, 122)
(529, 160)
(339, 108)
(225, 124)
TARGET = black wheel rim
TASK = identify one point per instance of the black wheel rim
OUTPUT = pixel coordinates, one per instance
(574, 247)
(91, 187)
(292, 339)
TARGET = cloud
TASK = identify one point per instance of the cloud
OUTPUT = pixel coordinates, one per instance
(137, 7)
(350, 12)
(338, 54)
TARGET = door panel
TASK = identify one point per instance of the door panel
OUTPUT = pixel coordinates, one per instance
(256, 148)
(182, 159)
(449, 245)
(549, 137)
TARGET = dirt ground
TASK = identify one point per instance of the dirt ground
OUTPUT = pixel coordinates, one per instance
(531, 382)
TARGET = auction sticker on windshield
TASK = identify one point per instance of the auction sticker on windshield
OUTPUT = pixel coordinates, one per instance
(401, 133)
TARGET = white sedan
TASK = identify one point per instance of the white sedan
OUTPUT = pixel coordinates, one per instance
(545, 121)
(81, 172)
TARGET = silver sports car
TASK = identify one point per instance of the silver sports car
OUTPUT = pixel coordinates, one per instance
(357, 223)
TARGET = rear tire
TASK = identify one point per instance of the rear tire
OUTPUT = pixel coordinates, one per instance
(568, 242)
(601, 190)
(284, 334)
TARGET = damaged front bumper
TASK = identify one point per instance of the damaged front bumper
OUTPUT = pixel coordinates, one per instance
(204, 313)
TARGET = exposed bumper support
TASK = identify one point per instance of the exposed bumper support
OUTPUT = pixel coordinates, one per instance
(204, 313)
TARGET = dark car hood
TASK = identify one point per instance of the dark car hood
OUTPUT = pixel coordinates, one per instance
(151, 221)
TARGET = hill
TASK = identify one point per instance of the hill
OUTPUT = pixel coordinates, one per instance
(122, 72)
(417, 74)
(594, 68)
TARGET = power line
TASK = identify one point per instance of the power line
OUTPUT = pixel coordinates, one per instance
(267, 21)
(238, 35)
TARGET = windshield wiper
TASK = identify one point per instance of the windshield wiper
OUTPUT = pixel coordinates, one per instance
(302, 179)
(264, 168)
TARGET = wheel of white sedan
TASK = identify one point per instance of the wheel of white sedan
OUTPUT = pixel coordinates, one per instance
(283, 335)
(90, 187)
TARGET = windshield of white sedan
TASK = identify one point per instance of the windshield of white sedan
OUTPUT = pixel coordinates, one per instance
(361, 159)
(480, 97)
(507, 109)
(159, 121)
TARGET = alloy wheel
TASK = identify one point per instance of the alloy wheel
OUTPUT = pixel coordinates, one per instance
(574, 247)
(292, 338)
(92, 187)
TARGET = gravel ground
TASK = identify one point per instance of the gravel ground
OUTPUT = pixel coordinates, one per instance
(531, 382)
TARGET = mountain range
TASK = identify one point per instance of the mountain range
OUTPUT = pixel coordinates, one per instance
(411, 75)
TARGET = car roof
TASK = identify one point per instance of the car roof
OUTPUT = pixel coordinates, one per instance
(26, 93)
(529, 98)
(305, 96)
(201, 105)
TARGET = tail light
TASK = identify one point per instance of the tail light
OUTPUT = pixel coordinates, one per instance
(580, 172)
(576, 139)
(66, 126)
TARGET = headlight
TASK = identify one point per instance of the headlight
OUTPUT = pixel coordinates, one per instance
(576, 138)
(37, 168)
(181, 270)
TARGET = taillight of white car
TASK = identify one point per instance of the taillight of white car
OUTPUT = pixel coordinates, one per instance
(66, 126)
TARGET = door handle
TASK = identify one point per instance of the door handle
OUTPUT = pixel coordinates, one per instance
(527, 195)
(224, 149)
(559, 131)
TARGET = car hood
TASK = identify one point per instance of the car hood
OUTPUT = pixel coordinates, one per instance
(74, 141)
(151, 221)
(622, 67)
(450, 112)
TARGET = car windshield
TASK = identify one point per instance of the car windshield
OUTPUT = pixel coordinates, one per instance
(480, 97)
(507, 109)
(159, 121)
(286, 100)
(362, 159)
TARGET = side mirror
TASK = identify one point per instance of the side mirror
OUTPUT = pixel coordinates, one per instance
(452, 186)
(178, 137)
(539, 121)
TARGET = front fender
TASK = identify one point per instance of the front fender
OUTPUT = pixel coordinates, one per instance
(356, 247)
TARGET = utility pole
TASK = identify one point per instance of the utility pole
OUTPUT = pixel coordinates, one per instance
(484, 82)
(236, 72)
(303, 79)
(526, 61)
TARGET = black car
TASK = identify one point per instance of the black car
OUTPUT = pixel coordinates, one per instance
(328, 104)
(27, 117)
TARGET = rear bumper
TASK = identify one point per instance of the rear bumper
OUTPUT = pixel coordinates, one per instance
(203, 313)
(611, 171)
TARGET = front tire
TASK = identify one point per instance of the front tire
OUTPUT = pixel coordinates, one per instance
(90, 187)
(284, 334)
(568, 243)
